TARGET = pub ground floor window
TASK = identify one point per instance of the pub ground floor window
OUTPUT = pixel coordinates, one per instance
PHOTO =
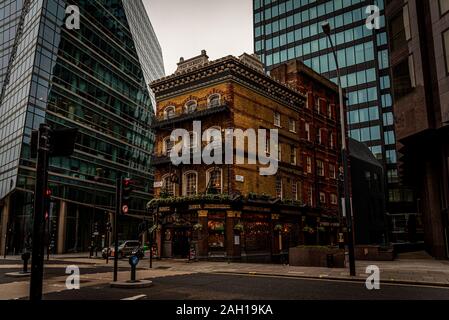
(216, 229)
(257, 232)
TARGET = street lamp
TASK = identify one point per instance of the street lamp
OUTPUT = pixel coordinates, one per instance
(346, 205)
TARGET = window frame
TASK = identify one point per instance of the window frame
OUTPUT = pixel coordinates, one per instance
(185, 186)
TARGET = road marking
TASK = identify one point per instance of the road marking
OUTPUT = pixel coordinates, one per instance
(141, 296)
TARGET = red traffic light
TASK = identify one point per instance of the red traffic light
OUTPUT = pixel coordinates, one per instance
(48, 192)
(125, 209)
(126, 182)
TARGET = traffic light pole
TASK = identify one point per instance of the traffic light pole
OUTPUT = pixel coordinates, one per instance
(118, 206)
(37, 261)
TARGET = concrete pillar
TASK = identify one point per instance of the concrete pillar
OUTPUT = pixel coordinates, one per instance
(4, 218)
(62, 223)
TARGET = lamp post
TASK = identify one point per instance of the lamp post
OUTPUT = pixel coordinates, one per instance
(346, 205)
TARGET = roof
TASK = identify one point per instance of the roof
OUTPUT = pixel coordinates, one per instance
(360, 151)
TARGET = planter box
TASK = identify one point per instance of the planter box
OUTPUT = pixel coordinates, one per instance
(373, 253)
(315, 256)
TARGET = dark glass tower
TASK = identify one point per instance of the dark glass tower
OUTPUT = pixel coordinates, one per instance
(91, 79)
(291, 29)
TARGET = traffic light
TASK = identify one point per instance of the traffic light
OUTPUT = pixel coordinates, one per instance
(127, 188)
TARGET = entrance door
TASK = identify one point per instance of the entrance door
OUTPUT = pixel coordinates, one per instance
(181, 243)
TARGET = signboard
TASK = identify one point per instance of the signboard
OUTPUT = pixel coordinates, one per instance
(239, 178)
(260, 209)
(194, 206)
(237, 240)
(164, 209)
(217, 206)
(157, 184)
(202, 213)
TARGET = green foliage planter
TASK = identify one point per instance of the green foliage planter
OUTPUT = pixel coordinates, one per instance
(238, 227)
(316, 256)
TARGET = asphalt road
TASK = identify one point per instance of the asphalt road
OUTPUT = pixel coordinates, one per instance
(58, 269)
(238, 287)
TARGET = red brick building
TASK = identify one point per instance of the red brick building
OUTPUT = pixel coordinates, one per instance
(230, 210)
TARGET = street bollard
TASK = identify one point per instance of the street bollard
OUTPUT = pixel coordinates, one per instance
(133, 261)
(25, 257)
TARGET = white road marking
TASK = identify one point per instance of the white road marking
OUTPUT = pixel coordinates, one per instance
(141, 296)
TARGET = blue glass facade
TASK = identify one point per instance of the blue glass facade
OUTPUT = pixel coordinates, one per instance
(91, 79)
(285, 30)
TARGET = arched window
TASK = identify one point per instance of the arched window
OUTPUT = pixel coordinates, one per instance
(214, 100)
(214, 180)
(169, 112)
(190, 184)
(167, 146)
(190, 106)
(212, 135)
(168, 187)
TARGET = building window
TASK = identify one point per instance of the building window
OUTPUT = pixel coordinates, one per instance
(322, 198)
(307, 129)
(169, 112)
(295, 191)
(193, 140)
(319, 136)
(292, 125)
(446, 47)
(190, 183)
(332, 140)
(330, 111)
(444, 6)
(403, 78)
(293, 152)
(277, 119)
(309, 165)
(317, 104)
(167, 146)
(320, 168)
(214, 180)
(214, 100)
(334, 199)
(310, 196)
(168, 187)
(332, 172)
(279, 187)
(191, 106)
(397, 32)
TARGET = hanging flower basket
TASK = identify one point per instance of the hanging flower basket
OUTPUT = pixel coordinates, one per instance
(278, 227)
(238, 227)
(198, 227)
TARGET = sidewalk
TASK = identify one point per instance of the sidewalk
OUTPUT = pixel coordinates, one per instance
(411, 269)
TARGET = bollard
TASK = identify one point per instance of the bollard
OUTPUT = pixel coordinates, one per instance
(133, 261)
(25, 257)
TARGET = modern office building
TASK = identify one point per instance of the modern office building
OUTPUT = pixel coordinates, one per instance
(90, 78)
(145, 40)
(291, 29)
(419, 45)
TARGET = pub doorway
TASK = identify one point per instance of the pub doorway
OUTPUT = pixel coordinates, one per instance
(181, 242)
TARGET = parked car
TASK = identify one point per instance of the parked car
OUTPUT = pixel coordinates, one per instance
(125, 249)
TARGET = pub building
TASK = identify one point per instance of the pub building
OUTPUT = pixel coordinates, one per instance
(231, 211)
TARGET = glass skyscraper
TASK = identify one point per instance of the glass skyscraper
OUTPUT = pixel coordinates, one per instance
(291, 29)
(93, 78)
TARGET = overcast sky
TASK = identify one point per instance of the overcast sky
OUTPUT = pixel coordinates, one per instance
(185, 27)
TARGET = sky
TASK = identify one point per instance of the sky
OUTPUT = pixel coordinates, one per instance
(185, 27)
